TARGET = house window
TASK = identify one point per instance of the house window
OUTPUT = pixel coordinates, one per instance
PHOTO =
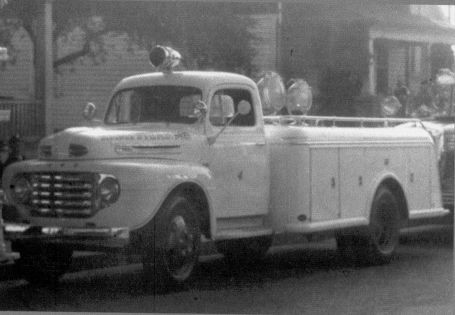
(381, 61)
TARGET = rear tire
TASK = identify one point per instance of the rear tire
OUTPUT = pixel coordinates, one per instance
(172, 256)
(378, 245)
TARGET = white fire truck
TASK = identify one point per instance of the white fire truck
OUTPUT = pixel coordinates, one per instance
(185, 157)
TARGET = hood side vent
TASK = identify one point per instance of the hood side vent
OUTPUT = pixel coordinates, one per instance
(77, 150)
(45, 150)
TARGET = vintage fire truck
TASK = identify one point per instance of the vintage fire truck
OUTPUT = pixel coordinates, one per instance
(185, 157)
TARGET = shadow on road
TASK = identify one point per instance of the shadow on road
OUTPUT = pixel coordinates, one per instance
(284, 262)
(428, 235)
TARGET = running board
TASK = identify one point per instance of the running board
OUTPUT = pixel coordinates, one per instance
(332, 225)
(428, 213)
(242, 227)
(242, 233)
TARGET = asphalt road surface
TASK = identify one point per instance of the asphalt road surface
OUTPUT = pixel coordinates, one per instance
(298, 279)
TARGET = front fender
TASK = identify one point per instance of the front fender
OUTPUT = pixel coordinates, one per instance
(144, 185)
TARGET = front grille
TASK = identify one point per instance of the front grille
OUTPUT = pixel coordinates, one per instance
(63, 194)
(449, 140)
(447, 199)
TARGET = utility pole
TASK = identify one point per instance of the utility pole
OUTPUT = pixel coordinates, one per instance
(43, 58)
(279, 35)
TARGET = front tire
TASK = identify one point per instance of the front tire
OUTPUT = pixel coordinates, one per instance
(172, 256)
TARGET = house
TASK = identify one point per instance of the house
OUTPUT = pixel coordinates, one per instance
(87, 79)
(378, 44)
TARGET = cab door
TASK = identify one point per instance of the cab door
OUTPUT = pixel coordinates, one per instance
(238, 158)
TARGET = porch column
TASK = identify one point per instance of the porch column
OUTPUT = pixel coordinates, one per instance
(371, 68)
(279, 33)
(43, 58)
(49, 72)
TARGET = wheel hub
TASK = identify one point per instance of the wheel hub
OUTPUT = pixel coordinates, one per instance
(383, 229)
(180, 249)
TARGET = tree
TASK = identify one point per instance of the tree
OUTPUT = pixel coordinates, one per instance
(208, 35)
(441, 57)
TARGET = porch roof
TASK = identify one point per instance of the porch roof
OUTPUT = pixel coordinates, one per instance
(410, 28)
(391, 21)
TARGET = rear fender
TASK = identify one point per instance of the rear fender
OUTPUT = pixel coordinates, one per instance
(391, 181)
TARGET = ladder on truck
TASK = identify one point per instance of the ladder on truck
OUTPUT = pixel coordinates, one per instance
(336, 121)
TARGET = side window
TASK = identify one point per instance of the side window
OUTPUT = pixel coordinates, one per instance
(224, 105)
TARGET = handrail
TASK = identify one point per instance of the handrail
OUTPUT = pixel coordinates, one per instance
(303, 120)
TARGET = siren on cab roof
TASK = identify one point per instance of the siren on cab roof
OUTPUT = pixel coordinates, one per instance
(164, 58)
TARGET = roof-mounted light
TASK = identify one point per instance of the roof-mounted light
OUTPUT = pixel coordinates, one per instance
(164, 58)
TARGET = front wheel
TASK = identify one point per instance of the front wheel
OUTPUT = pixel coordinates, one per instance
(172, 256)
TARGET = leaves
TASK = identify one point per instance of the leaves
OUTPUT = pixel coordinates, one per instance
(209, 35)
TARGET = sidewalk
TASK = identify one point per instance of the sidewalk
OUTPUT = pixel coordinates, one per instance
(446, 309)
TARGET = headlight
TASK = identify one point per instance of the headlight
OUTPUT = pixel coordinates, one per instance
(108, 191)
(21, 189)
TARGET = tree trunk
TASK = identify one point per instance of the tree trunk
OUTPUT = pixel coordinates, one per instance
(43, 62)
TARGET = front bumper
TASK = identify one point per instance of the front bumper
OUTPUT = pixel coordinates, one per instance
(89, 239)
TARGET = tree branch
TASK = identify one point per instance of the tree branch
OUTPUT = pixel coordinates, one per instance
(73, 56)
(90, 37)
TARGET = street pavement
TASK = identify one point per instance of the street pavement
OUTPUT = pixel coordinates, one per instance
(307, 278)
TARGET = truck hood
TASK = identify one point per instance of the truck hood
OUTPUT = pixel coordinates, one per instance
(105, 142)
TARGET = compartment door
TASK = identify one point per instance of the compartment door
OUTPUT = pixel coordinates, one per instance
(353, 182)
(418, 181)
(324, 184)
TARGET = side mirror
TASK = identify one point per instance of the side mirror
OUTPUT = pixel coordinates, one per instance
(89, 112)
(244, 108)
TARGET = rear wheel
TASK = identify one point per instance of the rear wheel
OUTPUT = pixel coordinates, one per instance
(378, 245)
(43, 265)
(384, 229)
(172, 256)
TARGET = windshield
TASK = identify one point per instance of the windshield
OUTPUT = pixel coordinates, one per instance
(170, 104)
